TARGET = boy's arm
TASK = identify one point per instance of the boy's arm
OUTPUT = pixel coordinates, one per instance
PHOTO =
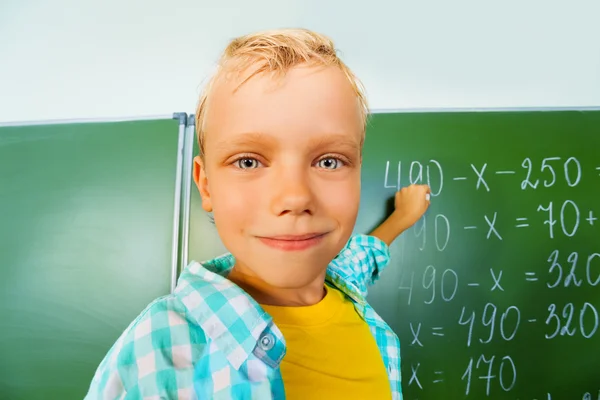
(365, 256)
(410, 204)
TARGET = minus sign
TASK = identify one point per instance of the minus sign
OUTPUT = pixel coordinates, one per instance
(504, 172)
(532, 320)
(460, 178)
(472, 284)
(470, 227)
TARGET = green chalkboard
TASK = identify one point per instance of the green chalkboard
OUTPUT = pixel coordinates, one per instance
(486, 313)
(86, 216)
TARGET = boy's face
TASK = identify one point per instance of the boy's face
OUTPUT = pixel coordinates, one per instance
(281, 172)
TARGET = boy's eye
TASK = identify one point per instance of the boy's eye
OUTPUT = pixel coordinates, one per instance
(329, 163)
(247, 163)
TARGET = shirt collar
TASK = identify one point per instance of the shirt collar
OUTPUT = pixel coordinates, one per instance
(231, 318)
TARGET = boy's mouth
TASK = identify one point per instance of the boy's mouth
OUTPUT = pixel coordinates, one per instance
(293, 242)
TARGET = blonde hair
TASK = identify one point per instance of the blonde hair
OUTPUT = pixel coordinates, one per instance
(277, 52)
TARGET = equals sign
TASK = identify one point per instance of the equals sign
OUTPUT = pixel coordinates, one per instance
(436, 331)
(438, 373)
(598, 169)
(530, 277)
(521, 224)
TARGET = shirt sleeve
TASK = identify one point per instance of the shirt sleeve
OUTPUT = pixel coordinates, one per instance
(153, 358)
(362, 261)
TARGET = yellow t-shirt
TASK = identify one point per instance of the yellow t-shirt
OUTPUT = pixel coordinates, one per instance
(331, 353)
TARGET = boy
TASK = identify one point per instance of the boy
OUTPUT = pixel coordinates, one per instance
(284, 316)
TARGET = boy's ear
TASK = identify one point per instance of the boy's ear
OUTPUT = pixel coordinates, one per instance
(202, 183)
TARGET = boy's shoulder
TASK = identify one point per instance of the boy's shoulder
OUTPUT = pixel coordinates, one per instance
(207, 318)
(154, 356)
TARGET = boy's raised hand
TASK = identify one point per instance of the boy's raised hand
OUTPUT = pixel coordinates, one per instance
(411, 202)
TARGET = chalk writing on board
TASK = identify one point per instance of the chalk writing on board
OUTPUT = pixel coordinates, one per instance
(578, 274)
(434, 175)
(441, 231)
(572, 320)
(506, 323)
(485, 369)
(549, 171)
(548, 167)
(569, 222)
(488, 329)
(562, 217)
(415, 334)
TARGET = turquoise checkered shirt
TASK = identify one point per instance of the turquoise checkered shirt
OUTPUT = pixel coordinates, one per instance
(210, 340)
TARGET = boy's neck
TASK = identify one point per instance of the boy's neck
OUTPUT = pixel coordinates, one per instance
(265, 294)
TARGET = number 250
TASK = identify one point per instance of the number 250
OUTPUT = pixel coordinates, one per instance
(527, 164)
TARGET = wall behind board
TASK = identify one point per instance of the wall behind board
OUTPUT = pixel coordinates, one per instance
(83, 59)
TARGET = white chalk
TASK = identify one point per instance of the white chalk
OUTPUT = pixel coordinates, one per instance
(427, 196)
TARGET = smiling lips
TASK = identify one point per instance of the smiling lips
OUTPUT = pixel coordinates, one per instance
(293, 242)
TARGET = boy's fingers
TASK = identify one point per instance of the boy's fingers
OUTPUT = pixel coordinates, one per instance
(427, 192)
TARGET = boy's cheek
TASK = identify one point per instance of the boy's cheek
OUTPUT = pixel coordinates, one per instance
(341, 198)
(234, 204)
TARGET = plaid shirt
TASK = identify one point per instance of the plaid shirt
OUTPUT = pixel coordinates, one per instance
(210, 340)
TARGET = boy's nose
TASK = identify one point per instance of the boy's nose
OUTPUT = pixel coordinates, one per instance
(293, 194)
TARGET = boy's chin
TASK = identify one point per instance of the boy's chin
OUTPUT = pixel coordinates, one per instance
(293, 275)
(290, 269)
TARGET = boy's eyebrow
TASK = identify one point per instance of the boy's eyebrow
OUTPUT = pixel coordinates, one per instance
(259, 138)
(337, 139)
(244, 139)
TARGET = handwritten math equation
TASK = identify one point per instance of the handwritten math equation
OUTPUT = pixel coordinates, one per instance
(567, 214)
(546, 174)
(562, 269)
